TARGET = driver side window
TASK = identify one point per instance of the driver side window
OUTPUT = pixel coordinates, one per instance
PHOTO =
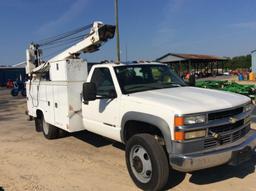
(103, 81)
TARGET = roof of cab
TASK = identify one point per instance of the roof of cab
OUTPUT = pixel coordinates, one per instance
(112, 64)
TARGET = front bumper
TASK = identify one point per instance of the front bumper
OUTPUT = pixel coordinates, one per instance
(216, 157)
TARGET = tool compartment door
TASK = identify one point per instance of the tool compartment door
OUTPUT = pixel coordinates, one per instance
(60, 105)
(49, 104)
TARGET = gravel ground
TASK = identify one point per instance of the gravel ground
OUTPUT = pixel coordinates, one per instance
(85, 161)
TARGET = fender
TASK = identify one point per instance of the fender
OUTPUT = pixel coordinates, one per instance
(151, 119)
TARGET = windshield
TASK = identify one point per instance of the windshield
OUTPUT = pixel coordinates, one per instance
(136, 78)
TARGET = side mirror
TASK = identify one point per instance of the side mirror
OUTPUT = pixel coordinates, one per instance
(89, 91)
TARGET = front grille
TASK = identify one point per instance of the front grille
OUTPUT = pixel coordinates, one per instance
(225, 139)
(227, 127)
(226, 113)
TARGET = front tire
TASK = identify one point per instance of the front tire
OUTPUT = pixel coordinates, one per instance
(147, 162)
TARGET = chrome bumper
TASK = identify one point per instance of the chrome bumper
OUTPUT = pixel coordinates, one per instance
(216, 157)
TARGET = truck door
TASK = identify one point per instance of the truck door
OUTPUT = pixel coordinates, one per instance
(101, 116)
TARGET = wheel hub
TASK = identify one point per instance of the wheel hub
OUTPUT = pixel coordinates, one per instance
(137, 164)
(141, 163)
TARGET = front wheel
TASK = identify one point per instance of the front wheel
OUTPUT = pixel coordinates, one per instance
(147, 162)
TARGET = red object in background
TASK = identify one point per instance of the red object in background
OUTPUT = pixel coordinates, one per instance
(9, 84)
(187, 76)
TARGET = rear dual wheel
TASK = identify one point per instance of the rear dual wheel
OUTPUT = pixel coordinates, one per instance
(38, 124)
(49, 131)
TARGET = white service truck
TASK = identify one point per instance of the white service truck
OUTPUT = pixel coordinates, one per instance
(164, 123)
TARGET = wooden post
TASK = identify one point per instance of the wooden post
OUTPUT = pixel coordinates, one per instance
(211, 68)
(217, 68)
(179, 68)
(189, 65)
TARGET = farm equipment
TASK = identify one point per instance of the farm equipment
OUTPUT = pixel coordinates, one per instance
(247, 90)
(18, 86)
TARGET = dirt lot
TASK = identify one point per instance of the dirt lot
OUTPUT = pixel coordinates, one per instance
(85, 161)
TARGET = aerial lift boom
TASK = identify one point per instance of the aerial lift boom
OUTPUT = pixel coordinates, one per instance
(98, 34)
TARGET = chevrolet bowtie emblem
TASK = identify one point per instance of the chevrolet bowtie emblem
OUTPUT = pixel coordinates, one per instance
(232, 120)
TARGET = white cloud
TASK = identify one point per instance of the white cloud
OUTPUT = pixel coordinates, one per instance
(70, 14)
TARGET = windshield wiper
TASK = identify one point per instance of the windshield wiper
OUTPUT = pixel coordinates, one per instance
(172, 84)
(140, 88)
(147, 87)
(135, 87)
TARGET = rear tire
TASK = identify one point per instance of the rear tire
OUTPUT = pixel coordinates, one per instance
(147, 162)
(49, 131)
(63, 133)
(38, 124)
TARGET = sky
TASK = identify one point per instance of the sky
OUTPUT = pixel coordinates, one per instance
(148, 28)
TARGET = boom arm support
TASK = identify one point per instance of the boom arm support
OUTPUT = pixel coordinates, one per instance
(99, 34)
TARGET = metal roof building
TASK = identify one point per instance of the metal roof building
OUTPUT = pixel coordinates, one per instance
(193, 62)
(12, 73)
(20, 65)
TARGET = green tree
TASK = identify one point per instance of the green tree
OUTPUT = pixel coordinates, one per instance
(239, 62)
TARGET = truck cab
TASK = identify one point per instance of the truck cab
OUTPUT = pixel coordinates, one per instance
(198, 128)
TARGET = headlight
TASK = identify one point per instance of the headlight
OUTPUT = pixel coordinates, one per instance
(188, 120)
(248, 108)
(195, 134)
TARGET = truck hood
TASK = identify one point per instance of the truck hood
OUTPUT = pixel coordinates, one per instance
(185, 100)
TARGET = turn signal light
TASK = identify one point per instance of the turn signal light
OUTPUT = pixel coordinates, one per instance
(178, 121)
(179, 136)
